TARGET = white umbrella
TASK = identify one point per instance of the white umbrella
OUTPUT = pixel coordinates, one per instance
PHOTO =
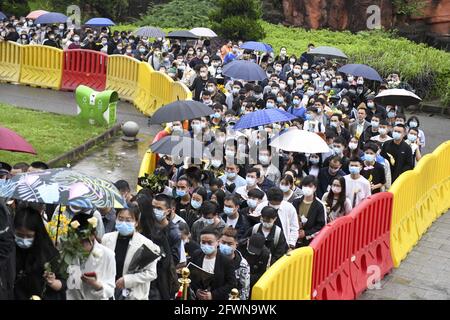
(203, 32)
(400, 97)
(328, 52)
(295, 140)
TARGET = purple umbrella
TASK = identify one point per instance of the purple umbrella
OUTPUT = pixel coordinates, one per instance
(256, 46)
(11, 141)
(361, 70)
(51, 17)
(99, 22)
(244, 70)
(3, 16)
(263, 117)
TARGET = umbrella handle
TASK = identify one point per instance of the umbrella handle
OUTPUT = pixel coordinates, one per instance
(57, 226)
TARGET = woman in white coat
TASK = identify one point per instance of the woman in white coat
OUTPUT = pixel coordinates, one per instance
(130, 284)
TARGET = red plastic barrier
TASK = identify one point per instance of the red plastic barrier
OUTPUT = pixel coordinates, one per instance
(85, 67)
(371, 259)
(331, 265)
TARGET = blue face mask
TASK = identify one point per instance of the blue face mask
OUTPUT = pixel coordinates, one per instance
(159, 214)
(125, 228)
(181, 193)
(252, 203)
(24, 243)
(228, 211)
(354, 170)
(396, 135)
(226, 249)
(391, 114)
(209, 222)
(295, 101)
(231, 175)
(208, 249)
(369, 157)
(269, 105)
(195, 204)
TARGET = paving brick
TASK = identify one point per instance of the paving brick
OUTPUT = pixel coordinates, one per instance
(436, 296)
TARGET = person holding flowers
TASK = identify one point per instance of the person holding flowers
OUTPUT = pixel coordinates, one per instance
(91, 266)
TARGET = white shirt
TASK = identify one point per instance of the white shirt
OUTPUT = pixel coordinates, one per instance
(231, 222)
(288, 218)
(243, 192)
(359, 188)
(208, 264)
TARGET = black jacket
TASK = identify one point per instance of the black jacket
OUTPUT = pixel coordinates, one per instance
(325, 179)
(316, 217)
(7, 254)
(399, 156)
(224, 277)
(276, 251)
(242, 225)
(172, 233)
(258, 263)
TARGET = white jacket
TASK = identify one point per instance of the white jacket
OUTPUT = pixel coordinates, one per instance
(102, 262)
(137, 283)
(288, 218)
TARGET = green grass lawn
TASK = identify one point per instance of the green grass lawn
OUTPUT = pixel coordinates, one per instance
(50, 134)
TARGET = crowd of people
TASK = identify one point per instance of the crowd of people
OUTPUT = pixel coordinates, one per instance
(230, 216)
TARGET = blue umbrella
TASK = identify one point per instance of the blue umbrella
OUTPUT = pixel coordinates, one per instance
(256, 46)
(263, 117)
(361, 70)
(244, 70)
(99, 22)
(3, 16)
(51, 17)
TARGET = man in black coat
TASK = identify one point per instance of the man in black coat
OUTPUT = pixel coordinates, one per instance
(398, 152)
(211, 260)
(7, 254)
(233, 218)
(257, 255)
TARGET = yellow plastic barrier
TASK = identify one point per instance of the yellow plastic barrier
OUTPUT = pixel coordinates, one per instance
(122, 76)
(161, 87)
(442, 170)
(41, 66)
(10, 55)
(180, 92)
(148, 165)
(288, 279)
(404, 235)
(145, 100)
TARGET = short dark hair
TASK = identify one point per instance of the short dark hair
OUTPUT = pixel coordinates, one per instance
(256, 193)
(230, 232)
(122, 185)
(39, 165)
(201, 192)
(232, 198)
(337, 115)
(216, 182)
(255, 170)
(355, 159)
(164, 198)
(336, 158)
(134, 210)
(310, 179)
(370, 146)
(340, 140)
(184, 178)
(269, 212)
(21, 166)
(210, 230)
(275, 194)
(208, 207)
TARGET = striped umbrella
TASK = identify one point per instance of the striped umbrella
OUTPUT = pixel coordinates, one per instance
(263, 117)
(36, 14)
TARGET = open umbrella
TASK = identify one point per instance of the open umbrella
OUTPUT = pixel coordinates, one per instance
(180, 110)
(182, 34)
(11, 141)
(328, 52)
(65, 187)
(203, 32)
(399, 97)
(244, 70)
(263, 117)
(150, 32)
(295, 140)
(51, 17)
(99, 22)
(36, 14)
(361, 70)
(181, 146)
(256, 46)
(3, 16)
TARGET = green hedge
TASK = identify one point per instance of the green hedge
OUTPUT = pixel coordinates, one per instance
(425, 68)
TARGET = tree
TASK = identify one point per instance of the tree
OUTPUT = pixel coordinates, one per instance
(238, 19)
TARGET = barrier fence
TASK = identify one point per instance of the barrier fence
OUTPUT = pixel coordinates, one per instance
(48, 67)
(356, 251)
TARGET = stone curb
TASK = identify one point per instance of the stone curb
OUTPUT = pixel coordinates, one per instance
(77, 152)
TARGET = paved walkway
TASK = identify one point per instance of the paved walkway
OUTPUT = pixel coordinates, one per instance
(425, 273)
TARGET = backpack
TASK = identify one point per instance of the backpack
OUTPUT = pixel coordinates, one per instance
(276, 238)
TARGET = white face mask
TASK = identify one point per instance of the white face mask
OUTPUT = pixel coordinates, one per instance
(352, 145)
(307, 191)
(250, 181)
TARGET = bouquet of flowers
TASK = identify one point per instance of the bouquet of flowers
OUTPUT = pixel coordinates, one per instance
(154, 181)
(61, 229)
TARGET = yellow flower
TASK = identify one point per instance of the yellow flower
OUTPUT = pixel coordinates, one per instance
(74, 224)
(93, 222)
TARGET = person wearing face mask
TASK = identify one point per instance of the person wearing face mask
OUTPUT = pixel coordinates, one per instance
(358, 127)
(125, 242)
(252, 176)
(257, 255)
(50, 40)
(313, 123)
(191, 215)
(310, 212)
(233, 218)
(287, 216)
(181, 195)
(231, 179)
(297, 108)
(75, 42)
(328, 173)
(287, 186)
(398, 152)
(383, 130)
(413, 141)
(200, 81)
(306, 57)
(414, 123)
(209, 211)
(314, 165)
(372, 170)
(33, 249)
(335, 199)
(374, 109)
(372, 130)
(357, 187)
(275, 239)
(255, 197)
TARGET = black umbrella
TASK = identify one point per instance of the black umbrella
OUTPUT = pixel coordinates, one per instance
(399, 97)
(178, 146)
(180, 110)
(150, 32)
(182, 34)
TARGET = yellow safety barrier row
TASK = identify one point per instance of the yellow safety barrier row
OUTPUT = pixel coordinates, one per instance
(122, 76)
(420, 197)
(145, 99)
(180, 92)
(287, 279)
(41, 66)
(10, 55)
